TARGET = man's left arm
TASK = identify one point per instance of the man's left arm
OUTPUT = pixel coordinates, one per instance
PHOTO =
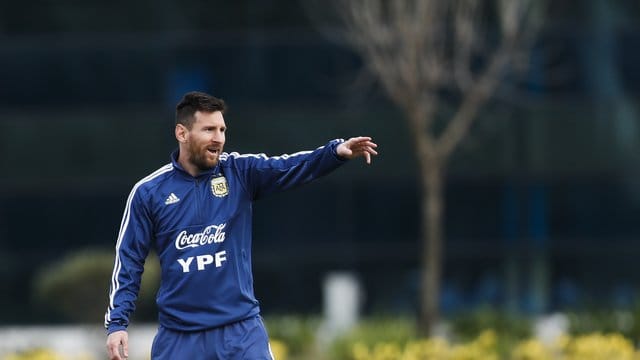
(265, 175)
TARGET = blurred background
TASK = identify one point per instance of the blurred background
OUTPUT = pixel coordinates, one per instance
(541, 197)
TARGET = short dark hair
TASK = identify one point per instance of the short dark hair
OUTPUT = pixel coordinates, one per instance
(196, 101)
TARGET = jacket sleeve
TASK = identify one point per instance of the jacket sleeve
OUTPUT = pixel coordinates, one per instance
(264, 175)
(132, 249)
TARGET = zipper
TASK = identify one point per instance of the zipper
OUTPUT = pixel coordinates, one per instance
(198, 208)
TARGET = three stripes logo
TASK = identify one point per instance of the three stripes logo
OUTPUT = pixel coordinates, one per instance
(171, 199)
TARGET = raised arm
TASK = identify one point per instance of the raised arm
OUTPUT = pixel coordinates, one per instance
(264, 174)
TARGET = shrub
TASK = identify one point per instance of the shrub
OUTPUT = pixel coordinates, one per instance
(296, 333)
(481, 348)
(43, 354)
(600, 347)
(484, 347)
(625, 322)
(279, 349)
(77, 286)
(468, 325)
(372, 332)
(532, 349)
(509, 328)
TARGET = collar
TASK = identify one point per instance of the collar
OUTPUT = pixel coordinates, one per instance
(177, 166)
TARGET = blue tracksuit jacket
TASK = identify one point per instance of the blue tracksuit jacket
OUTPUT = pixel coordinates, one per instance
(200, 228)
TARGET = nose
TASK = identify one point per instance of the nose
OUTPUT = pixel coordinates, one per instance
(218, 136)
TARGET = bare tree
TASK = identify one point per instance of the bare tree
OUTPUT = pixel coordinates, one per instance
(419, 50)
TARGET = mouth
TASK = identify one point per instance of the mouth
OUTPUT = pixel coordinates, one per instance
(215, 151)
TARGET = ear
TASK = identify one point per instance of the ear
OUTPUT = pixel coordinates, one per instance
(181, 132)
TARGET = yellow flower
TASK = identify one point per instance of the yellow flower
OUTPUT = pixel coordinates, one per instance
(429, 349)
(598, 346)
(531, 350)
(279, 349)
(487, 339)
(484, 347)
(360, 351)
(35, 354)
(386, 351)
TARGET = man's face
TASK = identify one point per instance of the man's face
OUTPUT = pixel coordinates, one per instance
(206, 139)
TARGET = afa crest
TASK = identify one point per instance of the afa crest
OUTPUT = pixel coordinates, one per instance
(219, 186)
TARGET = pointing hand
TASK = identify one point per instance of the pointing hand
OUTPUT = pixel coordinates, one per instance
(357, 146)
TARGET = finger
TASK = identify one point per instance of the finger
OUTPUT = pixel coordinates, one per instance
(367, 156)
(361, 138)
(355, 141)
(125, 348)
(114, 354)
(367, 146)
(362, 141)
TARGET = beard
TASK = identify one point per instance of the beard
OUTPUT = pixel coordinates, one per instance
(201, 158)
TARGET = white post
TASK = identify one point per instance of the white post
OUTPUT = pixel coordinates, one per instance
(342, 298)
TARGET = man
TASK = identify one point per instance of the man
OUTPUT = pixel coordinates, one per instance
(195, 212)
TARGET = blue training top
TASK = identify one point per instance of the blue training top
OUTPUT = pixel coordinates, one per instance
(200, 228)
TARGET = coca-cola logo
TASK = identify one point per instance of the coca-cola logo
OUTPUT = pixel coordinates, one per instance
(210, 234)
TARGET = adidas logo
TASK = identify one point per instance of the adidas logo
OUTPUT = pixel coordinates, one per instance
(172, 199)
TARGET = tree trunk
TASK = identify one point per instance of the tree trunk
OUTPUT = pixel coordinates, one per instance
(432, 175)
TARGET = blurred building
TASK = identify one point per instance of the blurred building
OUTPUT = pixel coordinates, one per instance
(541, 201)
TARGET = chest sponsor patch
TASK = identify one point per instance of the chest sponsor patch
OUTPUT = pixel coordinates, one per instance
(219, 186)
(210, 234)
